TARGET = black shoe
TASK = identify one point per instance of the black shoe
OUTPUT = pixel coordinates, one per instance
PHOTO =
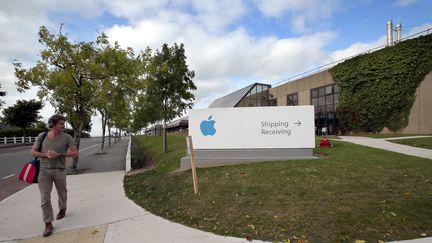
(61, 214)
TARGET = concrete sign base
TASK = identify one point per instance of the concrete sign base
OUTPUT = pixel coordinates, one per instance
(219, 157)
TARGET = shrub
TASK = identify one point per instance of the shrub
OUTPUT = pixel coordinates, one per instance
(138, 157)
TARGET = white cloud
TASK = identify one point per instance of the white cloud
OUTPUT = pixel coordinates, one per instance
(276, 8)
(403, 3)
(210, 89)
(85, 8)
(299, 23)
(418, 29)
(132, 9)
(226, 56)
(302, 13)
(150, 32)
(295, 54)
(19, 24)
(355, 49)
(216, 15)
(213, 14)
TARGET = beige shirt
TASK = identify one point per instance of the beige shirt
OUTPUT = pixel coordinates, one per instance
(60, 144)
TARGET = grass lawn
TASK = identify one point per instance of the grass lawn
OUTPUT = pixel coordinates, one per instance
(351, 193)
(416, 142)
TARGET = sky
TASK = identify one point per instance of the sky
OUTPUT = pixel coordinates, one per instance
(229, 43)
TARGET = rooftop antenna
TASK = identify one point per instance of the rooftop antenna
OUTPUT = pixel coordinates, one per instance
(398, 32)
(390, 30)
(389, 33)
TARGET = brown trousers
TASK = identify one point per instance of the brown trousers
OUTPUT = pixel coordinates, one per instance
(45, 182)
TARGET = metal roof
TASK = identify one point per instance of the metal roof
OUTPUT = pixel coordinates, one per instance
(232, 99)
(181, 121)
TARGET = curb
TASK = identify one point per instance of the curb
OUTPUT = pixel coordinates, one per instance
(128, 156)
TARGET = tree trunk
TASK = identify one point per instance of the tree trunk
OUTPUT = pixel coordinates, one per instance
(165, 143)
(115, 135)
(77, 136)
(120, 131)
(109, 136)
(103, 132)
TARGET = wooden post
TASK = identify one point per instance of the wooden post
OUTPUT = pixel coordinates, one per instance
(193, 164)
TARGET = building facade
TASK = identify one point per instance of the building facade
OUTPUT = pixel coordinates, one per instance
(321, 91)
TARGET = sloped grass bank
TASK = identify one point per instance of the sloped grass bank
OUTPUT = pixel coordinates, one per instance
(352, 192)
(415, 142)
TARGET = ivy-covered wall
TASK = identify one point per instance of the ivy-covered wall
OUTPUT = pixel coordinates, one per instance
(378, 89)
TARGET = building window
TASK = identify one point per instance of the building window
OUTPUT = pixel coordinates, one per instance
(259, 95)
(292, 99)
(325, 101)
(273, 102)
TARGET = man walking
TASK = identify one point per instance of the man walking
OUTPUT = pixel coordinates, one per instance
(56, 146)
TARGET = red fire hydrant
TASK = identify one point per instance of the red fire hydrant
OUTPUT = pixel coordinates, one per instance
(325, 143)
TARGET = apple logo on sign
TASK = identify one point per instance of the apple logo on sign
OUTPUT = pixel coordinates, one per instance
(207, 127)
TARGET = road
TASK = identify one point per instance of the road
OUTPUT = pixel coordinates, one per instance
(13, 158)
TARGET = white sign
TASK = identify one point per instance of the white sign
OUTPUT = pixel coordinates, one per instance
(253, 127)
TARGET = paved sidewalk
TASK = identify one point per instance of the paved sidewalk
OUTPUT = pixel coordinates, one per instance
(409, 137)
(394, 147)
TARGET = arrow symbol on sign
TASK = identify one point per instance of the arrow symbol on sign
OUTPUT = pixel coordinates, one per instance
(297, 123)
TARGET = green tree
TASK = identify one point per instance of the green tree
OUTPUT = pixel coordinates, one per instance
(64, 75)
(120, 114)
(40, 125)
(87, 124)
(23, 114)
(119, 73)
(170, 83)
(145, 112)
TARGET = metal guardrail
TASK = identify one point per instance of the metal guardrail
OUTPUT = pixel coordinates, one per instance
(12, 140)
